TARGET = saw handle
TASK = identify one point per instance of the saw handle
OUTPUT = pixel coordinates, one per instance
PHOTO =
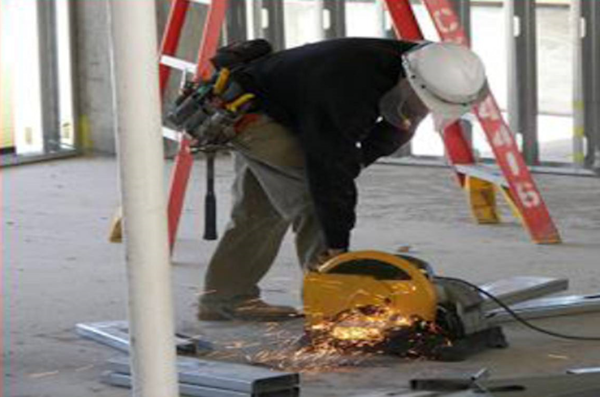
(210, 199)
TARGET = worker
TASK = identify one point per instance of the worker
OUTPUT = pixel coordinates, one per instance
(326, 111)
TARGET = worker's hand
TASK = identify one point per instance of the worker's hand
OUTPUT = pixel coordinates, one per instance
(325, 256)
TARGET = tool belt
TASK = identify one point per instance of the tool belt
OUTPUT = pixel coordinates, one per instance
(212, 112)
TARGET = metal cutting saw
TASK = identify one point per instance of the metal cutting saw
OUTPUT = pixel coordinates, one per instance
(394, 303)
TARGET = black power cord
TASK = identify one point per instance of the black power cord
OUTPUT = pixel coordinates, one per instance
(517, 316)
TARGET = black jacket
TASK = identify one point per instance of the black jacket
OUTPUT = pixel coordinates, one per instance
(328, 94)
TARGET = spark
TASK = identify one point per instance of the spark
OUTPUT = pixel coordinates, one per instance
(347, 340)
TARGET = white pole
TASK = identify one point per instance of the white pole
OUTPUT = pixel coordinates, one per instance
(578, 100)
(139, 137)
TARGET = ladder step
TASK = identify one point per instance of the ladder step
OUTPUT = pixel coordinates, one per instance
(115, 334)
(178, 64)
(482, 172)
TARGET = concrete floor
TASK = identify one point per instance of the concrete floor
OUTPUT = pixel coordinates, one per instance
(60, 270)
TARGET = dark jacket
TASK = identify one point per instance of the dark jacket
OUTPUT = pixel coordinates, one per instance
(328, 94)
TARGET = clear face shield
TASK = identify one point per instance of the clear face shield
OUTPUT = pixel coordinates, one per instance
(442, 121)
(402, 107)
(448, 115)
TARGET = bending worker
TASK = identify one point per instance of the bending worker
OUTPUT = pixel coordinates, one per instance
(326, 111)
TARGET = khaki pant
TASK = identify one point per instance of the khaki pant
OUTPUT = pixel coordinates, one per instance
(270, 193)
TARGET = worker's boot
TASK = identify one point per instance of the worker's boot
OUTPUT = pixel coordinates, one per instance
(250, 310)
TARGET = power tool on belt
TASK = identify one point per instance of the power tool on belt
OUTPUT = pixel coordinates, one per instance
(395, 304)
(210, 112)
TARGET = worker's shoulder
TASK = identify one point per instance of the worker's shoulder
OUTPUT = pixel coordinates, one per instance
(356, 43)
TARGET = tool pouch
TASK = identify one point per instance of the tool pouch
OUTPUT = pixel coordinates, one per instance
(208, 111)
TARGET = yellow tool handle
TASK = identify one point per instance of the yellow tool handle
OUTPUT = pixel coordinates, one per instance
(222, 80)
(234, 106)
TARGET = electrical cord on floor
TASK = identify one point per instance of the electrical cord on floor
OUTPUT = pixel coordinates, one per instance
(516, 315)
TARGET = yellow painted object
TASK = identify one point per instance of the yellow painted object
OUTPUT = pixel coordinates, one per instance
(362, 279)
(513, 206)
(222, 81)
(234, 106)
(482, 199)
(116, 227)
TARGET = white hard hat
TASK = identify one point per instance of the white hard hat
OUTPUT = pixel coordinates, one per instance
(449, 78)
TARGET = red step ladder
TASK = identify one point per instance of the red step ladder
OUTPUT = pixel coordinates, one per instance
(215, 20)
(516, 181)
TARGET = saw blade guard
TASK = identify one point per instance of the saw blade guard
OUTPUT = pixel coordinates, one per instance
(399, 284)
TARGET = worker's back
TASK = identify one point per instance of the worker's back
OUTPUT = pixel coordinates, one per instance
(339, 82)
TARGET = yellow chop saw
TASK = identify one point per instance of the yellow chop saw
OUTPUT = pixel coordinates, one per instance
(386, 303)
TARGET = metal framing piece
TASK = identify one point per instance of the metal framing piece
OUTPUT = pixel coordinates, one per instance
(10, 160)
(548, 307)
(123, 380)
(336, 10)
(223, 376)
(49, 79)
(567, 385)
(519, 289)
(463, 11)
(275, 29)
(522, 75)
(319, 9)
(115, 334)
(237, 21)
(578, 101)
(590, 10)
(48, 52)
(579, 371)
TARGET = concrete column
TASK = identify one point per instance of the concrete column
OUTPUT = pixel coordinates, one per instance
(94, 88)
(95, 109)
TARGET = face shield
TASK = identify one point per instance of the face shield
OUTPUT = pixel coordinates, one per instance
(402, 107)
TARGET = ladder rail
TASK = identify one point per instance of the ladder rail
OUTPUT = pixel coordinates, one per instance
(523, 190)
(171, 37)
(215, 19)
(210, 39)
